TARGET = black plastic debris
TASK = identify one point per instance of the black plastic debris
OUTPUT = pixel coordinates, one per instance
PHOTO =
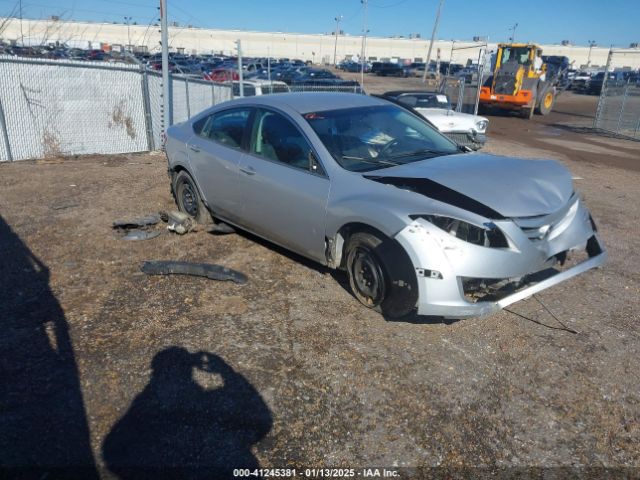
(135, 235)
(207, 270)
(222, 228)
(137, 222)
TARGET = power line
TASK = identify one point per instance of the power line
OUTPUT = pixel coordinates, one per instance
(391, 5)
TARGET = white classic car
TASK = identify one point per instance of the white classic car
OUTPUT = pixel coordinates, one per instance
(463, 128)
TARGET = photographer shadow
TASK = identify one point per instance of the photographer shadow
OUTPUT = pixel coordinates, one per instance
(176, 428)
(44, 430)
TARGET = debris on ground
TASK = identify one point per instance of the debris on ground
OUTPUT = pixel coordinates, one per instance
(142, 222)
(180, 223)
(222, 228)
(135, 235)
(208, 270)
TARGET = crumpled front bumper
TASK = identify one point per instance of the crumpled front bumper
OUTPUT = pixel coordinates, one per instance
(442, 261)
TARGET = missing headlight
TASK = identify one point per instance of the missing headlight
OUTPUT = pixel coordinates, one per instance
(487, 236)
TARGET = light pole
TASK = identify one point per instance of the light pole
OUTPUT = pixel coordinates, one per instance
(512, 39)
(592, 43)
(128, 22)
(335, 46)
(433, 37)
(364, 41)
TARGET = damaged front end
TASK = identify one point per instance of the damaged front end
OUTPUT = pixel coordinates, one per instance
(466, 269)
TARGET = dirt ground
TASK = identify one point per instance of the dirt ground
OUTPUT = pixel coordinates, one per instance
(100, 363)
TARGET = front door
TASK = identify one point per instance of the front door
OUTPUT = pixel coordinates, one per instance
(284, 190)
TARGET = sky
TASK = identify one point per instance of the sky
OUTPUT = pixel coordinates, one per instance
(614, 22)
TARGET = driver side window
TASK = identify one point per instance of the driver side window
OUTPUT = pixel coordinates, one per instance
(276, 138)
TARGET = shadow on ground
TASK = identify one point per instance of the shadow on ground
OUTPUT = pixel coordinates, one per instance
(179, 428)
(43, 424)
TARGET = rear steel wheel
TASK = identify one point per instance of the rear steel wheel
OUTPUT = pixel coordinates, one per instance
(188, 198)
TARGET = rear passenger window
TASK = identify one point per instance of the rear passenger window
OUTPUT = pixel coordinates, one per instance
(227, 127)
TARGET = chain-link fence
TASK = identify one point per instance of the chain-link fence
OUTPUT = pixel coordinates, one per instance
(462, 85)
(51, 108)
(619, 103)
(312, 87)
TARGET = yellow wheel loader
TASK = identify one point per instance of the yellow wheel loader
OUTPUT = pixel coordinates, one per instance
(520, 81)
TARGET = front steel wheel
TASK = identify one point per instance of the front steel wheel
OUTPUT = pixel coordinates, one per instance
(366, 276)
(381, 274)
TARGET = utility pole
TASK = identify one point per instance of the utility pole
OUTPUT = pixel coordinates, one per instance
(240, 76)
(592, 43)
(335, 46)
(512, 38)
(128, 20)
(364, 41)
(21, 32)
(433, 38)
(269, 68)
(166, 88)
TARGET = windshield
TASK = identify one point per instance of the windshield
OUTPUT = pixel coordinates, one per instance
(368, 138)
(425, 101)
(519, 54)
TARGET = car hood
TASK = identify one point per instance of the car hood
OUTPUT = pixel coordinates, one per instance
(449, 120)
(489, 185)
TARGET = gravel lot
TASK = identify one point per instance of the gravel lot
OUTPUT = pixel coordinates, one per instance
(96, 369)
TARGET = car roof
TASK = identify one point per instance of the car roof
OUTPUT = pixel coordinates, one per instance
(396, 93)
(305, 102)
(259, 82)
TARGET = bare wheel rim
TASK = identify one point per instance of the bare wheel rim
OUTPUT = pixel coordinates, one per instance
(189, 198)
(548, 99)
(368, 279)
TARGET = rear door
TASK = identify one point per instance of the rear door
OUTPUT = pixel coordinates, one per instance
(284, 188)
(215, 151)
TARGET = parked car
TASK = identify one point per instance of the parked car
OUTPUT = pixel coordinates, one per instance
(614, 79)
(468, 74)
(463, 128)
(358, 183)
(354, 67)
(580, 82)
(389, 69)
(415, 69)
(222, 75)
(256, 86)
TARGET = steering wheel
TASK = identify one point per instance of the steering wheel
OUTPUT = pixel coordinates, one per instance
(388, 147)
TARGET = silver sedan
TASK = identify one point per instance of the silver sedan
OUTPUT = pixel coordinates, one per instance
(358, 183)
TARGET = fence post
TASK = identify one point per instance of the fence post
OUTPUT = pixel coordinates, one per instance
(213, 95)
(186, 92)
(481, 61)
(461, 83)
(5, 134)
(601, 99)
(170, 100)
(146, 104)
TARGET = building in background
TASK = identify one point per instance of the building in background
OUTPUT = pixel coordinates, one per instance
(314, 47)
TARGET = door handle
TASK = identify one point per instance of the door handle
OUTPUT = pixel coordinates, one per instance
(194, 148)
(248, 170)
